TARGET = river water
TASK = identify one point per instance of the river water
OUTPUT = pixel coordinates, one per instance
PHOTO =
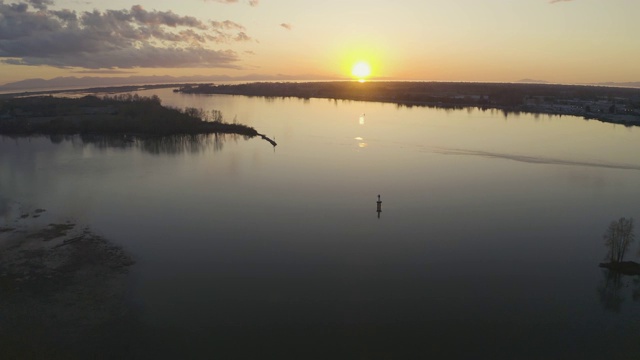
(487, 245)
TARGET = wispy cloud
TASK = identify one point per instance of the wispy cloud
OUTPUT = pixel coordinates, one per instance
(103, 72)
(286, 26)
(557, 1)
(250, 2)
(226, 25)
(40, 4)
(33, 34)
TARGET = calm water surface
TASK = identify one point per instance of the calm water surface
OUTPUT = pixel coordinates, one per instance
(487, 244)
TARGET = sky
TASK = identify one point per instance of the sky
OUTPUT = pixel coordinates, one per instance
(562, 41)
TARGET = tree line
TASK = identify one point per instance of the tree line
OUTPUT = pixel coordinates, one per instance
(117, 114)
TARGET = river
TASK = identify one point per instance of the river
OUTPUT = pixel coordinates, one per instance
(487, 245)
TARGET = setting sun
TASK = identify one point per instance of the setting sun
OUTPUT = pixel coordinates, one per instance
(361, 70)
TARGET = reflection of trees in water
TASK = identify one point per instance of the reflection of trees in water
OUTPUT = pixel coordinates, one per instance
(615, 287)
(57, 138)
(610, 290)
(105, 142)
(159, 145)
(177, 144)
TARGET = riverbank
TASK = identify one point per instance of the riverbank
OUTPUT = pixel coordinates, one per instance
(61, 286)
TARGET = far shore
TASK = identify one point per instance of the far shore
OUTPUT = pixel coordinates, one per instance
(617, 105)
(90, 90)
(606, 104)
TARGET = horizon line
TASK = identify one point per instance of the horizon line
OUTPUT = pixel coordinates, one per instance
(170, 79)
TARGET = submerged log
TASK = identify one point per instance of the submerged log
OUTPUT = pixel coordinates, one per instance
(266, 138)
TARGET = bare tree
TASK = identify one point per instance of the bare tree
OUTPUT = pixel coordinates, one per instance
(617, 238)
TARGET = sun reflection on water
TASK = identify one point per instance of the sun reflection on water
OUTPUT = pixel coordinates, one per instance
(361, 143)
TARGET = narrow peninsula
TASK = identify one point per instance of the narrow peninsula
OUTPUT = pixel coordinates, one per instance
(125, 114)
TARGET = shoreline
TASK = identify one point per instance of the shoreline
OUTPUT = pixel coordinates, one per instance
(623, 267)
(61, 285)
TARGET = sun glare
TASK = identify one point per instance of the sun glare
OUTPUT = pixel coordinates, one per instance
(361, 70)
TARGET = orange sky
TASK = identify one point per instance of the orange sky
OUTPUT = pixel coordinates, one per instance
(571, 41)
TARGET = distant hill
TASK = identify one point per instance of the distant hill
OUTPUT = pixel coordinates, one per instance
(635, 84)
(631, 84)
(70, 82)
(91, 81)
(532, 81)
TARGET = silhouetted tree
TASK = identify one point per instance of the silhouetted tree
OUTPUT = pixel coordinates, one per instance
(617, 238)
